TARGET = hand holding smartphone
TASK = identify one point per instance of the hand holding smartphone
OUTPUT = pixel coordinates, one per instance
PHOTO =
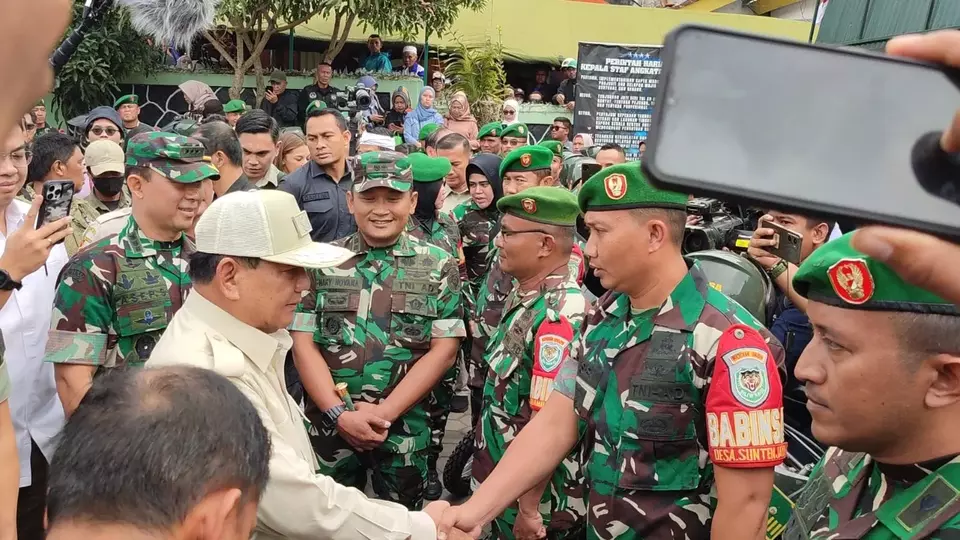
(57, 196)
(784, 243)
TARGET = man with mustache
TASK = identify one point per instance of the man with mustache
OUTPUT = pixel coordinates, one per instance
(115, 298)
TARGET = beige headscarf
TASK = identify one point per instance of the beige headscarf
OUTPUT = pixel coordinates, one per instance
(465, 116)
(197, 93)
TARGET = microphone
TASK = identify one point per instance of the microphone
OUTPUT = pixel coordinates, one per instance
(176, 21)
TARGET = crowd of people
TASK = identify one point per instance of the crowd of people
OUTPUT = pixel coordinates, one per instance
(237, 327)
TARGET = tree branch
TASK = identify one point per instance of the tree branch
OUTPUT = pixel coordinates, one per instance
(220, 49)
(286, 27)
(340, 41)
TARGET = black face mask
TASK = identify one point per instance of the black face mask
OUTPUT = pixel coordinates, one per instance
(109, 186)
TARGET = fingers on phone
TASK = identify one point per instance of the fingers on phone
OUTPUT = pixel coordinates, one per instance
(61, 234)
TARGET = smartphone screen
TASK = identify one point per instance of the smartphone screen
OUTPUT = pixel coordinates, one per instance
(795, 126)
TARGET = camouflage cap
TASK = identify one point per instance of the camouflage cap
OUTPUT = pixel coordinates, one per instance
(181, 159)
(383, 169)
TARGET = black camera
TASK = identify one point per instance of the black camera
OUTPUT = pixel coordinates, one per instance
(353, 98)
(719, 227)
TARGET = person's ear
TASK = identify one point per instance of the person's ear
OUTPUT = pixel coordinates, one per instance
(135, 184)
(59, 168)
(944, 388)
(414, 197)
(228, 270)
(547, 246)
(658, 234)
(548, 181)
(821, 233)
(350, 206)
(213, 515)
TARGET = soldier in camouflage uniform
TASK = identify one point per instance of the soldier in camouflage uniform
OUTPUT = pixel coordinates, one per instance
(431, 226)
(523, 168)
(674, 390)
(880, 378)
(114, 299)
(388, 324)
(557, 148)
(542, 318)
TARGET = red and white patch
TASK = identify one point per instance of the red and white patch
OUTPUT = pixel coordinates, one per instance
(529, 206)
(616, 186)
(551, 346)
(525, 160)
(852, 281)
(745, 424)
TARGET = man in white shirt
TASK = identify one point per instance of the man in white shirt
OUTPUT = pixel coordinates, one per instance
(248, 277)
(30, 261)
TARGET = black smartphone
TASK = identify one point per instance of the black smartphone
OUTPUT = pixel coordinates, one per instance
(788, 242)
(57, 197)
(805, 128)
(589, 169)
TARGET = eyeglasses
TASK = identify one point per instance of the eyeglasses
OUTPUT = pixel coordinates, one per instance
(100, 130)
(557, 128)
(508, 111)
(20, 157)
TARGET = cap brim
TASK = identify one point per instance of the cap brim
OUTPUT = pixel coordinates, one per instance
(313, 255)
(191, 173)
(97, 170)
(395, 185)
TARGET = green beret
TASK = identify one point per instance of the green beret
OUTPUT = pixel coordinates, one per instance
(515, 130)
(623, 186)
(526, 158)
(839, 275)
(315, 105)
(427, 130)
(123, 100)
(492, 129)
(235, 106)
(428, 169)
(543, 204)
(554, 146)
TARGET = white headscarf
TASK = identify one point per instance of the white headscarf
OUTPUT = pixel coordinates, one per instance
(384, 142)
(513, 104)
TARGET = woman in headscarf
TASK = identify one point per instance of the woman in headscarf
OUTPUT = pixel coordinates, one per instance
(459, 119)
(582, 141)
(395, 117)
(511, 112)
(424, 114)
(478, 218)
(197, 94)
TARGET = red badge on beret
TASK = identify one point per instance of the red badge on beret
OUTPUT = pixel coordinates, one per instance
(852, 281)
(616, 186)
(529, 206)
(525, 160)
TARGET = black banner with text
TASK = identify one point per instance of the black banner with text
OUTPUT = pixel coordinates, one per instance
(616, 88)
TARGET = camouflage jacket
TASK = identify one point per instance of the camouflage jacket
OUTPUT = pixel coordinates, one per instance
(524, 355)
(443, 233)
(643, 391)
(115, 298)
(374, 316)
(487, 308)
(82, 214)
(102, 209)
(849, 495)
(477, 229)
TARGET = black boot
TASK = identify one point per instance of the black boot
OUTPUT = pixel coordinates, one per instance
(434, 489)
(459, 403)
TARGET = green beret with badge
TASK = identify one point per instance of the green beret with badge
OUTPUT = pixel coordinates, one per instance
(383, 169)
(235, 106)
(526, 158)
(543, 204)
(839, 275)
(427, 131)
(315, 105)
(554, 146)
(426, 169)
(123, 100)
(493, 129)
(515, 130)
(181, 159)
(624, 186)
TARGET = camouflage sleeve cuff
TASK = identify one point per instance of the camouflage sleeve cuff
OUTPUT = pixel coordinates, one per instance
(4, 382)
(76, 348)
(304, 322)
(448, 328)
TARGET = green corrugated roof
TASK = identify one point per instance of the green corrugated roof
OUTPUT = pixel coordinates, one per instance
(870, 23)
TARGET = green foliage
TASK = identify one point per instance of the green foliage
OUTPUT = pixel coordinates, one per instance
(110, 52)
(478, 72)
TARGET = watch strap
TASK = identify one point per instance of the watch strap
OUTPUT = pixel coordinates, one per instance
(7, 283)
(778, 269)
(331, 415)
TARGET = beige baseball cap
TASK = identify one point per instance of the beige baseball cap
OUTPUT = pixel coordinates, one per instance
(103, 156)
(266, 225)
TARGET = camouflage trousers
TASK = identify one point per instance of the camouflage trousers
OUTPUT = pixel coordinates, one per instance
(438, 407)
(398, 478)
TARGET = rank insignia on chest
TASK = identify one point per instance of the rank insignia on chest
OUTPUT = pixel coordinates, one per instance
(852, 281)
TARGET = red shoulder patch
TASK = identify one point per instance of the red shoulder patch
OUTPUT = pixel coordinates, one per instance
(745, 402)
(577, 256)
(551, 346)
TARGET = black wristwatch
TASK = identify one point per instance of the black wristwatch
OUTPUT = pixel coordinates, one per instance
(331, 415)
(7, 283)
